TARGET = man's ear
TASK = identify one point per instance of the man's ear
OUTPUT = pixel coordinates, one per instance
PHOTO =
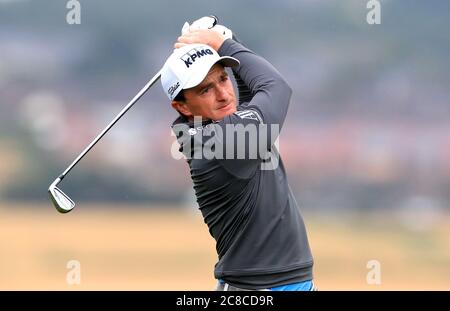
(182, 108)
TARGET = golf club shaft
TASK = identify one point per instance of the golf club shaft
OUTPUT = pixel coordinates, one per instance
(121, 113)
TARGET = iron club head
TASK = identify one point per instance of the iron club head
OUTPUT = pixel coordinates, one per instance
(60, 200)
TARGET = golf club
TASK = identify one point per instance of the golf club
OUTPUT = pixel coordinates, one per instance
(59, 199)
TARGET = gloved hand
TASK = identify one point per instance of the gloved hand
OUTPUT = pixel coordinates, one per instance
(207, 22)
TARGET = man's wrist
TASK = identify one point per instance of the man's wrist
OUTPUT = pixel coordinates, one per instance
(217, 44)
(215, 39)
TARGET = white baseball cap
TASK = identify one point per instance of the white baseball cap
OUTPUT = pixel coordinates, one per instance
(189, 65)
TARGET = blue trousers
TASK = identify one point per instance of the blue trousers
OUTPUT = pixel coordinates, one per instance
(300, 286)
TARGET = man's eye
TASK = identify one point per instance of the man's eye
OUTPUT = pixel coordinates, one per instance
(204, 91)
(224, 78)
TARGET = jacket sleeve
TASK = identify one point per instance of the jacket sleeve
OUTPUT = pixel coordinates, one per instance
(269, 92)
(258, 120)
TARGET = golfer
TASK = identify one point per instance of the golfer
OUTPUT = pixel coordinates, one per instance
(240, 184)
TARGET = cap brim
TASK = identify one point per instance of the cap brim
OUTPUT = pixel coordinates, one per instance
(226, 61)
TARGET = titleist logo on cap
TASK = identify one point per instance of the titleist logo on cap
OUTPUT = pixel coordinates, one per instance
(190, 57)
(173, 88)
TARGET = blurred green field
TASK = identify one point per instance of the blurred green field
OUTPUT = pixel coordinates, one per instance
(126, 248)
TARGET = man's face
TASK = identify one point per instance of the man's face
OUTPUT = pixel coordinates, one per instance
(212, 99)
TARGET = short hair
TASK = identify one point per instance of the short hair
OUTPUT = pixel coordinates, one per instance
(180, 97)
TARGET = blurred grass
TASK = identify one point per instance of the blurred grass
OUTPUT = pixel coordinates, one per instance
(128, 248)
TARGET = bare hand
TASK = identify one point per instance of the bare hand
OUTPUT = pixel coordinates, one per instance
(203, 36)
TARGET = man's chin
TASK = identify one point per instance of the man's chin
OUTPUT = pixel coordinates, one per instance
(225, 111)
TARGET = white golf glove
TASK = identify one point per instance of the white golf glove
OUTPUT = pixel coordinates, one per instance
(207, 22)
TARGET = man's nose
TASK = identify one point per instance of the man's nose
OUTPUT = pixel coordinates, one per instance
(221, 93)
